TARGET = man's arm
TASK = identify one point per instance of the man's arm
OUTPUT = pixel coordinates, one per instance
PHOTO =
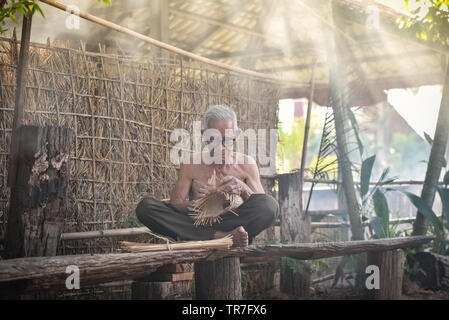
(179, 194)
(253, 180)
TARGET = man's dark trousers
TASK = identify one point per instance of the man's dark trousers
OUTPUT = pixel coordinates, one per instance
(256, 214)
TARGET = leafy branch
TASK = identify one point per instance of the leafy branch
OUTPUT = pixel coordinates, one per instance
(429, 21)
(9, 9)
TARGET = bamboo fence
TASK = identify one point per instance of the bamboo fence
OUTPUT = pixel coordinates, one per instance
(122, 110)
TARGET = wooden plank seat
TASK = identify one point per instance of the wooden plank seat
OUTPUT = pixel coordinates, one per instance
(49, 273)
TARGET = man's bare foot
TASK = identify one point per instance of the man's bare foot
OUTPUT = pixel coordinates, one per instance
(239, 236)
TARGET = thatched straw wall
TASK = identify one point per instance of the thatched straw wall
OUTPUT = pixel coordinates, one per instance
(122, 110)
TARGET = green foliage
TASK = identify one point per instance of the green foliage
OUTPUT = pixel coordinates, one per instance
(438, 224)
(243, 277)
(356, 130)
(414, 268)
(365, 176)
(430, 141)
(446, 178)
(374, 203)
(381, 222)
(428, 138)
(9, 9)
(131, 222)
(320, 266)
(428, 22)
(283, 240)
(345, 269)
(406, 156)
(302, 267)
(291, 143)
(444, 195)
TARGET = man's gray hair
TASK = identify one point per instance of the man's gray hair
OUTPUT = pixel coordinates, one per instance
(219, 112)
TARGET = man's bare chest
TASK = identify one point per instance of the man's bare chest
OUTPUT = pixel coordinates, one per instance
(204, 173)
(201, 176)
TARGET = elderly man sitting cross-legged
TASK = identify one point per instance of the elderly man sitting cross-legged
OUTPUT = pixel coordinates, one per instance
(237, 173)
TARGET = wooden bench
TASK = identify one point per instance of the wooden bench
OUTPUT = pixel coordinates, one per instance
(24, 275)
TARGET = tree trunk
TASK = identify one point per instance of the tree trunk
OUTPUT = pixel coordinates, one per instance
(39, 194)
(218, 280)
(337, 97)
(337, 92)
(39, 197)
(295, 228)
(436, 157)
(391, 271)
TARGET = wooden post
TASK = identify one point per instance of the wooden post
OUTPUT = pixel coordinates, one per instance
(170, 282)
(295, 228)
(218, 280)
(39, 197)
(391, 272)
(159, 29)
(338, 96)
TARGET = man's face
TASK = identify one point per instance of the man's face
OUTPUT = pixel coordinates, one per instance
(226, 129)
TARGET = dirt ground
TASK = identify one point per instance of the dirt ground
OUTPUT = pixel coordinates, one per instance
(351, 294)
(324, 291)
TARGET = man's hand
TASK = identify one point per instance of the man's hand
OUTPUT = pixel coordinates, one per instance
(234, 185)
(201, 189)
(190, 205)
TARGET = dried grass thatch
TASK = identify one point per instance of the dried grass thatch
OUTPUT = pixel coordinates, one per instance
(122, 110)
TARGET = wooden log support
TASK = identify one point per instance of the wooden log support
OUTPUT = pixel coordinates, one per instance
(39, 197)
(49, 273)
(391, 271)
(169, 282)
(295, 228)
(218, 280)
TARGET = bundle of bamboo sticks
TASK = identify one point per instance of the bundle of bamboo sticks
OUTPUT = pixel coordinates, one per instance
(223, 243)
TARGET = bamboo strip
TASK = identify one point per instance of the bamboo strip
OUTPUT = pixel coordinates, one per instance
(222, 243)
